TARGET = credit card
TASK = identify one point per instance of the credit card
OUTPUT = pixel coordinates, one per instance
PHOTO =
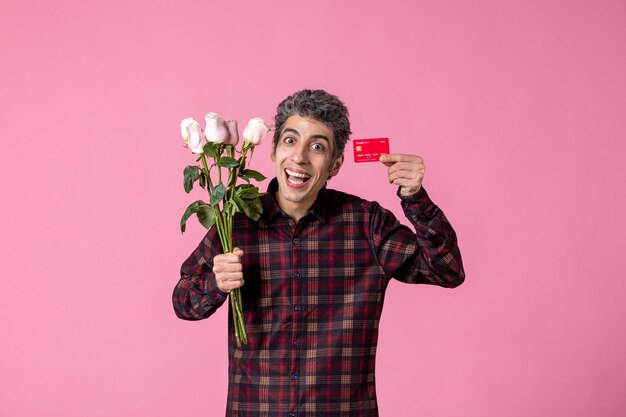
(369, 150)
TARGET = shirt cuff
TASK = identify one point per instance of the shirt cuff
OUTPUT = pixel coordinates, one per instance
(418, 203)
(214, 291)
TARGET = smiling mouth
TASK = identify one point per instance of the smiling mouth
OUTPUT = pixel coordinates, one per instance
(296, 178)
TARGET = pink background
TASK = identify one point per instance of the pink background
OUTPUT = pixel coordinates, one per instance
(518, 108)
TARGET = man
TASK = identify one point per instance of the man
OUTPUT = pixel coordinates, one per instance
(316, 266)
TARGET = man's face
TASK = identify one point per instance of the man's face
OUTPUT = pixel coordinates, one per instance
(303, 157)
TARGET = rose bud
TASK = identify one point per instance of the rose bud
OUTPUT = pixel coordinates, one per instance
(216, 129)
(233, 134)
(192, 135)
(255, 130)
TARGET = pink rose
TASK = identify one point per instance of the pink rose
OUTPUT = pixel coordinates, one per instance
(216, 129)
(233, 134)
(192, 135)
(255, 131)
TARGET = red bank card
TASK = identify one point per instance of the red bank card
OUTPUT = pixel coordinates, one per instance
(369, 150)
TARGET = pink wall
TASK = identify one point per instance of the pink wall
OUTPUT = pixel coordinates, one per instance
(518, 108)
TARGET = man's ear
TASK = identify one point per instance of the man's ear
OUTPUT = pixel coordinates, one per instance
(336, 165)
(273, 153)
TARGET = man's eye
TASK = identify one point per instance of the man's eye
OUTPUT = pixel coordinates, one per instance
(289, 140)
(317, 147)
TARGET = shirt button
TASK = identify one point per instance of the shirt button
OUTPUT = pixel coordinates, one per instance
(296, 240)
(297, 274)
(294, 377)
(292, 414)
(297, 307)
(296, 344)
(406, 204)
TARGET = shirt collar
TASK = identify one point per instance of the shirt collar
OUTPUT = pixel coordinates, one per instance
(319, 209)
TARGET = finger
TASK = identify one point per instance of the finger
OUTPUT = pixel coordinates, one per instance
(392, 158)
(230, 285)
(406, 180)
(406, 167)
(411, 174)
(408, 175)
(403, 170)
(227, 267)
(401, 182)
(229, 276)
(384, 160)
(226, 258)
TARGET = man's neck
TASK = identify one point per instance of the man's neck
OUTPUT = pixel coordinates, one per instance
(294, 210)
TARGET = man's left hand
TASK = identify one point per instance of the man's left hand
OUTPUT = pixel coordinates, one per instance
(406, 171)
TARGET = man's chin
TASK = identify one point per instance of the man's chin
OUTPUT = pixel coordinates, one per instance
(294, 196)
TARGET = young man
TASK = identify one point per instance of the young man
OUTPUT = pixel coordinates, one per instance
(316, 266)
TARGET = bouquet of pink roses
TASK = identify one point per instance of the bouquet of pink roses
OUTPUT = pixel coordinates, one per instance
(218, 141)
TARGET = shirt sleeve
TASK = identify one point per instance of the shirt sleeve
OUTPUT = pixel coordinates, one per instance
(196, 295)
(430, 255)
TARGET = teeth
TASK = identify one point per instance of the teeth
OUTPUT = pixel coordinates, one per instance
(297, 174)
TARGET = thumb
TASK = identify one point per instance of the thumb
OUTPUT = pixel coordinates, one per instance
(238, 252)
(386, 159)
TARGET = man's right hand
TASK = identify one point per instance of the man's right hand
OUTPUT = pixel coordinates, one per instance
(228, 270)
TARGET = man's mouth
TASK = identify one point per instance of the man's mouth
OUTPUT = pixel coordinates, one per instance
(295, 177)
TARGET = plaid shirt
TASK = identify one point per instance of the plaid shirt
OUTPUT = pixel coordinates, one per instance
(313, 298)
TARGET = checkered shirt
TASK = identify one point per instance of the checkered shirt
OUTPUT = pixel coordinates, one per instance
(313, 297)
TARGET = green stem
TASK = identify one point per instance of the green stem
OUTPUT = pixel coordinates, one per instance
(229, 228)
(223, 222)
(219, 221)
(207, 174)
(235, 321)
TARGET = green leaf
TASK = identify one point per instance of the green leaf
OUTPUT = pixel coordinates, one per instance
(227, 162)
(250, 173)
(202, 210)
(249, 192)
(206, 216)
(218, 194)
(202, 181)
(191, 173)
(211, 149)
(232, 178)
(252, 208)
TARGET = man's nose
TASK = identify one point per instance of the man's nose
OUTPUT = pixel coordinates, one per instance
(299, 155)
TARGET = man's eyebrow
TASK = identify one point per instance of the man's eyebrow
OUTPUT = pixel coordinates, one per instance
(291, 130)
(288, 129)
(320, 137)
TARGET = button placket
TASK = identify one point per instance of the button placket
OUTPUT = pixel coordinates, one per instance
(297, 317)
